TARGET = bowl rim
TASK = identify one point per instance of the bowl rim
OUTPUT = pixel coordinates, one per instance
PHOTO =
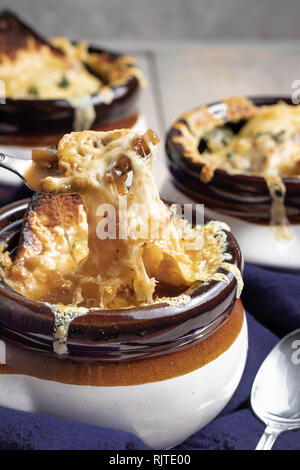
(189, 164)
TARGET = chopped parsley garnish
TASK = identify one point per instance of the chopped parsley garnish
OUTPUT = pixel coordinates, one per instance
(33, 90)
(229, 155)
(225, 141)
(64, 83)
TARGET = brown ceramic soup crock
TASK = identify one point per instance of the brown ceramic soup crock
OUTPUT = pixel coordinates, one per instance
(243, 196)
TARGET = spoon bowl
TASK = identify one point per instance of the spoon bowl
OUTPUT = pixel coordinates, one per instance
(275, 395)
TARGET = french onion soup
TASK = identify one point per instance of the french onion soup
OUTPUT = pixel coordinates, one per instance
(240, 138)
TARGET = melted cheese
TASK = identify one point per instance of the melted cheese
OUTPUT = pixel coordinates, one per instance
(37, 72)
(118, 271)
(268, 144)
(84, 112)
(63, 316)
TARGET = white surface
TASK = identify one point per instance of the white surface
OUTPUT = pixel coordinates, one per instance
(161, 413)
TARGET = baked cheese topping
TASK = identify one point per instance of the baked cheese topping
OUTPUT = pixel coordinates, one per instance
(267, 145)
(113, 170)
(37, 72)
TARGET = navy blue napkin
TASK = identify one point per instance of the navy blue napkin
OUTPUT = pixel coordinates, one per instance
(272, 301)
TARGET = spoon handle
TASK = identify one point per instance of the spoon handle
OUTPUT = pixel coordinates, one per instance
(268, 438)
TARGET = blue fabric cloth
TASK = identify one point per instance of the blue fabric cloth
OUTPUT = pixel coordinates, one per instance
(272, 301)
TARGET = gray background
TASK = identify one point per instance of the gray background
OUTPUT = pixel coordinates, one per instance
(162, 19)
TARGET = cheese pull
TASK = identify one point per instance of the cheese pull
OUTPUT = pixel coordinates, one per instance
(132, 242)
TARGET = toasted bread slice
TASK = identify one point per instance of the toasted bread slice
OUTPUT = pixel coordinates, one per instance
(53, 240)
(15, 35)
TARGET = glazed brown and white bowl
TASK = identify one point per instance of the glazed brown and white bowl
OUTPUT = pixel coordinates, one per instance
(141, 370)
(36, 122)
(243, 201)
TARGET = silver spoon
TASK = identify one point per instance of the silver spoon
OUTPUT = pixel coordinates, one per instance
(275, 395)
(19, 166)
